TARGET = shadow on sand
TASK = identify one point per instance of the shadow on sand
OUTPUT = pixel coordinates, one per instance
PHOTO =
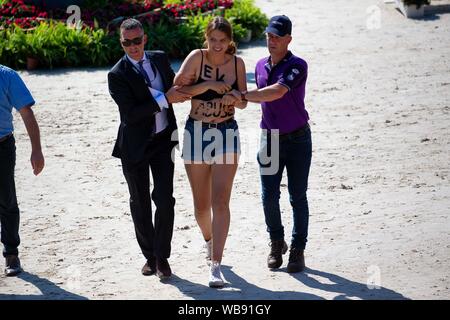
(239, 289)
(49, 290)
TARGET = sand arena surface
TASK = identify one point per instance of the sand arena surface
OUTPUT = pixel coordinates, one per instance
(378, 94)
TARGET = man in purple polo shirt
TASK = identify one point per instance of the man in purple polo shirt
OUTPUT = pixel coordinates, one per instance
(286, 140)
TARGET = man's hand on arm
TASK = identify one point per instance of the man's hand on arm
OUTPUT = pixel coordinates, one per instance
(267, 94)
(37, 158)
(240, 101)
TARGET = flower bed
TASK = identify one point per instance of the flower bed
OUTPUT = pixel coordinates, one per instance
(24, 15)
(15, 10)
(193, 7)
(176, 27)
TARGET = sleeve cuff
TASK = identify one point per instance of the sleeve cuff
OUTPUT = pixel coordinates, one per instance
(285, 85)
(160, 99)
(24, 104)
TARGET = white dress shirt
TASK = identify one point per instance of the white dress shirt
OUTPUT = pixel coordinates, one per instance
(157, 91)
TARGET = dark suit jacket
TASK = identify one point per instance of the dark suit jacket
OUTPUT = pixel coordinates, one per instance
(137, 106)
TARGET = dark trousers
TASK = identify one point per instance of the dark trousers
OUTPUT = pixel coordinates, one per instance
(154, 239)
(9, 211)
(295, 155)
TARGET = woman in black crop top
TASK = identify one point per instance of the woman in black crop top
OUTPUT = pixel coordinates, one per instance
(211, 144)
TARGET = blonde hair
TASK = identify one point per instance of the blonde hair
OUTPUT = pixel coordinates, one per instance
(221, 24)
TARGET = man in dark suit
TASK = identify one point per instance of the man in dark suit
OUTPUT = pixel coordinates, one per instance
(141, 85)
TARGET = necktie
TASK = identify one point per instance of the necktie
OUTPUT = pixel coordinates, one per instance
(148, 82)
(144, 73)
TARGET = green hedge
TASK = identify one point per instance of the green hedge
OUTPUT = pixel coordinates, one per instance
(56, 45)
(245, 14)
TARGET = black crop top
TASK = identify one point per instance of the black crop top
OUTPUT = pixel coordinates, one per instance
(211, 94)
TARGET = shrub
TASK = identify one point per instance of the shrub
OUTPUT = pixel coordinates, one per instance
(180, 39)
(177, 39)
(14, 47)
(250, 17)
(177, 27)
(55, 45)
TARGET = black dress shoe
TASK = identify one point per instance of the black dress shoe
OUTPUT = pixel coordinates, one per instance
(163, 268)
(13, 267)
(149, 267)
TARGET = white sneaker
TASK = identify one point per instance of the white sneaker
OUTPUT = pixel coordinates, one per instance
(208, 249)
(215, 276)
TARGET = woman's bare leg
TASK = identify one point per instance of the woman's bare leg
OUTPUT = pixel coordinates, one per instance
(200, 179)
(222, 176)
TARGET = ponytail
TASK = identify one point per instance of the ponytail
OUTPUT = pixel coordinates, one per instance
(232, 48)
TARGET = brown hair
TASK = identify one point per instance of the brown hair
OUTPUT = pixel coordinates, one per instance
(221, 24)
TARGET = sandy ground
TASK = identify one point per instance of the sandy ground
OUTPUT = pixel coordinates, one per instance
(378, 95)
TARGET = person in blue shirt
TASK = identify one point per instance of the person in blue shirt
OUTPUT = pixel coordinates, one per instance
(14, 94)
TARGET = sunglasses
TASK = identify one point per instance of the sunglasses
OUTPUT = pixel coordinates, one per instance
(129, 42)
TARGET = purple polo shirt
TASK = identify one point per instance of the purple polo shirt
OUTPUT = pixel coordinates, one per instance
(287, 113)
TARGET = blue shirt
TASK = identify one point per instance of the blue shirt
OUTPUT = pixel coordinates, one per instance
(288, 113)
(13, 94)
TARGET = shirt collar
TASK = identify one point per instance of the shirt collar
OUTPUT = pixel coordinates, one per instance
(146, 61)
(135, 62)
(268, 64)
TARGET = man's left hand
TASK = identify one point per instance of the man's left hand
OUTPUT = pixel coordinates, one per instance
(37, 161)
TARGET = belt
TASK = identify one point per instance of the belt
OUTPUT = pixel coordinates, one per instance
(213, 125)
(6, 137)
(297, 133)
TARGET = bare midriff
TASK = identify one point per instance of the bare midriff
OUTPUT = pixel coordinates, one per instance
(211, 111)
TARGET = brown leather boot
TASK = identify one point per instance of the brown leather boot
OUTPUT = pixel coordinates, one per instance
(296, 261)
(277, 249)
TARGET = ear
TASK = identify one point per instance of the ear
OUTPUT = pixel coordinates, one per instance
(289, 39)
(145, 39)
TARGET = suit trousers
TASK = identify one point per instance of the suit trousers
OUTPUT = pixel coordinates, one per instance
(154, 238)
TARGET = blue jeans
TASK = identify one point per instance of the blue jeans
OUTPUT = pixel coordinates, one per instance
(294, 154)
